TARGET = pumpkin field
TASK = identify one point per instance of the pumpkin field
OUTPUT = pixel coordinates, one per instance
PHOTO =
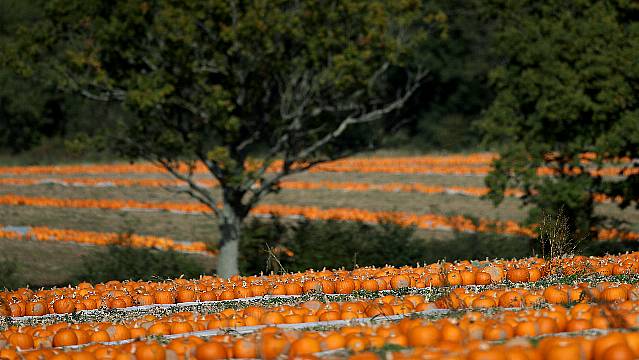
(319, 180)
(573, 307)
(100, 204)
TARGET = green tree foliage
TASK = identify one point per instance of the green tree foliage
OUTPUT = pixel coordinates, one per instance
(440, 116)
(26, 109)
(33, 110)
(443, 113)
(217, 82)
(568, 84)
(274, 245)
(9, 270)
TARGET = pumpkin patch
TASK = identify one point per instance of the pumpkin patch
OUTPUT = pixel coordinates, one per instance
(532, 308)
(401, 311)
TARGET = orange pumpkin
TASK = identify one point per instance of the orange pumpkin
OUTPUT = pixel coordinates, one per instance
(150, 351)
(63, 306)
(304, 346)
(65, 337)
(518, 275)
(21, 341)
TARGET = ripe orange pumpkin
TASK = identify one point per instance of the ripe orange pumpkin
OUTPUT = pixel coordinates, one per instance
(518, 275)
(293, 289)
(36, 308)
(164, 297)
(511, 299)
(345, 286)
(333, 341)
(483, 302)
(244, 348)
(150, 351)
(186, 295)
(400, 281)
(482, 278)
(272, 345)
(21, 341)
(272, 317)
(212, 350)
(118, 332)
(63, 306)
(312, 286)
(370, 285)
(555, 295)
(65, 337)
(423, 335)
(304, 346)
(614, 294)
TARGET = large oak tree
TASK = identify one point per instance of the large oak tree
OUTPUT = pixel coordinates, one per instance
(253, 90)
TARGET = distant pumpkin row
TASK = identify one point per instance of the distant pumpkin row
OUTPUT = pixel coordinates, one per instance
(474, 164)
(422, 221)
(43, 233)
(286, 184)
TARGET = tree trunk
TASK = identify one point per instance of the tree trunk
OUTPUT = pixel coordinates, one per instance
(230, 230)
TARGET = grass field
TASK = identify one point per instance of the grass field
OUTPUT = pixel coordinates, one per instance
(199, 227)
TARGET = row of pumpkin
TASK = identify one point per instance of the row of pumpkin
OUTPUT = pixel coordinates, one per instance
(474, 164)
(286, 185)
(604, 306)
(43, 233)
(411, 339)
(473, 335)
(116, 294)
(422, 221)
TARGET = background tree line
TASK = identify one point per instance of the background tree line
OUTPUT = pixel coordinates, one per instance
(38, 117)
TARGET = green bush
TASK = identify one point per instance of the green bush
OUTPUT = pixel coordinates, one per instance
(600, 248)
(477, 246)
(270, 245)
(9, 274)
(121, 263)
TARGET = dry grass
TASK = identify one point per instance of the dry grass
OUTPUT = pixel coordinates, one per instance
(373, 200)
(378, 178)
(555, 236)
(56, 263)
(179, 227)
(52, 263)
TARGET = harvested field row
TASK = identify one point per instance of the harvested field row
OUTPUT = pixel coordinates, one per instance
(423, 221)
(41, 233)
(409, 165)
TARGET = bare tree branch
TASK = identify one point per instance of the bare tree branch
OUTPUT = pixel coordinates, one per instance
(104, 96)
(213, 167)
(190, 192)
(370, 116)
(248, 141)
(301, 82)
(267, 184)
(198, 192)
(188, 106)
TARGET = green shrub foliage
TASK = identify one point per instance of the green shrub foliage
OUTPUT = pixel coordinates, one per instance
(122, 263)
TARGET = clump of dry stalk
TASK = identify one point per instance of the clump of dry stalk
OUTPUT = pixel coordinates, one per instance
(555, 236)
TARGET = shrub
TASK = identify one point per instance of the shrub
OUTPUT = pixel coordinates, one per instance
(121, 263)
(9, 274)
(270, 245)
(600, 248)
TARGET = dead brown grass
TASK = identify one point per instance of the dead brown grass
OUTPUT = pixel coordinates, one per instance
(56, 263)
